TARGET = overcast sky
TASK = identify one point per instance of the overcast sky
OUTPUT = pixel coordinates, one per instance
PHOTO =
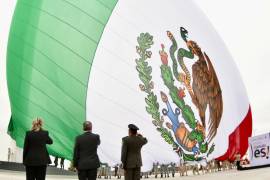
(244, 25)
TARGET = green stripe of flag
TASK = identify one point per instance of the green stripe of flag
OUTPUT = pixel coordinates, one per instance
(52, 44)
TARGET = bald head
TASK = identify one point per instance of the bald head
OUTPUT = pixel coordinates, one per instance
(87, 126)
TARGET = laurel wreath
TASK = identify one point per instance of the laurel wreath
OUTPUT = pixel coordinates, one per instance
(145, 41)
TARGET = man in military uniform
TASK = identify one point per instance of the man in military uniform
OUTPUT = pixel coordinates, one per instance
(166, 170)
(131, 153)
(173, 168)
(155, 169)
(162, 170)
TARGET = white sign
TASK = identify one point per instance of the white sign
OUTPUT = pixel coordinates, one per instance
(259, 149)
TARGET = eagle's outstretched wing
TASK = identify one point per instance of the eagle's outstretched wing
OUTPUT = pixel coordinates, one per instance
(200, 83)
(215, 101)
(207, 91)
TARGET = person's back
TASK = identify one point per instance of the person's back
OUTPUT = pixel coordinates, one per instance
(131, 153)
(35, 154)
(62, 161)
(85, 157)
(134, 144)
(87, 151)
(115, 169)
(56, 161)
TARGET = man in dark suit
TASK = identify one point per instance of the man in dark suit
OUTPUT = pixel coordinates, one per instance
(131, 153)
(85, 158)
(35, 154)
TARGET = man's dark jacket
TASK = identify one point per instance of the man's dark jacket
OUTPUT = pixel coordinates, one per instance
(85, 151)
(34, 150)
(131, 151)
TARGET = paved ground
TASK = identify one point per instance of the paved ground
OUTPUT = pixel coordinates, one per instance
(257, 174)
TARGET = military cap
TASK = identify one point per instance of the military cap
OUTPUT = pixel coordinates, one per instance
(133, 127)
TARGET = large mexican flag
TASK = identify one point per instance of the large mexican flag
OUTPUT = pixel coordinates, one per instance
(158, 64)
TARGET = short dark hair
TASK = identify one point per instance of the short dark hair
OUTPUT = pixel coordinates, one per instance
(87, 126)
(133, 131)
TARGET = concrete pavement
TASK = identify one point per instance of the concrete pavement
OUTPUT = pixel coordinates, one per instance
(256, 174)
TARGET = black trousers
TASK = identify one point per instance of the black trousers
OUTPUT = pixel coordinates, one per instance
(238, 165)
(90, 174)
(133, 173)
(35, 172)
